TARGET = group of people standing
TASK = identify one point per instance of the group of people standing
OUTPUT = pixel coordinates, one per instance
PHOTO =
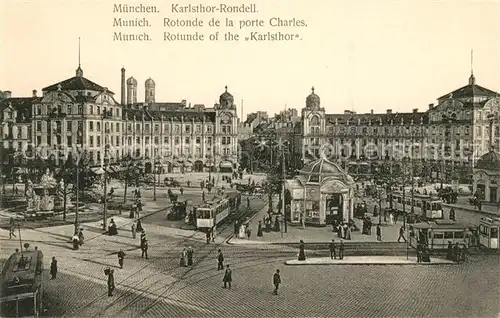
(457, 252)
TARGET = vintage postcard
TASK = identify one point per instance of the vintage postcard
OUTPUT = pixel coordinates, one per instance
(262, 158)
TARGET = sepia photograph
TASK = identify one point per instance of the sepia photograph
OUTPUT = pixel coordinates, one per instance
(218, 158)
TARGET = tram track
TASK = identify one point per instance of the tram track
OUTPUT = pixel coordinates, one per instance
(172, 261)
(213, 248)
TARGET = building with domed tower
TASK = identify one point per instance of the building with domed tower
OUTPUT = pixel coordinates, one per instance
(444, 141)
(178, 136)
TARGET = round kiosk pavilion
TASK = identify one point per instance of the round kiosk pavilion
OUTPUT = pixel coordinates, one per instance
(320, 194)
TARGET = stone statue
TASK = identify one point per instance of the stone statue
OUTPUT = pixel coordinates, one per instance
(48, 180)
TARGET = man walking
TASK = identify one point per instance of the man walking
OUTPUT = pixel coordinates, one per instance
(227, 277)
(276, 281)
(111, 280)
(379, 233)
(121, 256)
(133, 228)
(220, 261)
(333, 254)
(144, 248)
(341, 250)
(53, 268)
(401, 234)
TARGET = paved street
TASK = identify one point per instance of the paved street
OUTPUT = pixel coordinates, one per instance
(158, 287)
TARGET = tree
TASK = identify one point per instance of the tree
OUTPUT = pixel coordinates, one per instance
(130, 175)
(67, 174)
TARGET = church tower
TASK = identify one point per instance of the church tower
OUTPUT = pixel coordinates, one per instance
(149, 95)
(131, 91)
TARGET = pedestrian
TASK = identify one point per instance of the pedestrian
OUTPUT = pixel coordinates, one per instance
(248, 203)
(11, 228)
(341, 250)
(133, 229)
(182, 191)
(53, 268)
(203, 196)
(121, 256)
(259, 229)
(419, 253)
(143, 236)
(182, 262)
(235, 227)
(379, 233)
(249, 231)
(139, 227)
(302, 254)
(207, 236)
(111, 280)
(401, 234)
(144, 248)
(449, 251)
(190, 253)
(456, 253)
(220, 261)
(227, 277)
(76, 242)
(276, 281)
(80, 237)
(333, 254)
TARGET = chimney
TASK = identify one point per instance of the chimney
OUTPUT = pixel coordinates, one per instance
(389, 111)
(371, 111)
(123, 87)
(34, 93)
(415, 110)
(431, 106)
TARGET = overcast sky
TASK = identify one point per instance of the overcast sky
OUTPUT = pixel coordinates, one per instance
(358, 54)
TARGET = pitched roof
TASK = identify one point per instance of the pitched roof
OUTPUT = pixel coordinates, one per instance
(21, 104)
(76, 83)
(470, 91)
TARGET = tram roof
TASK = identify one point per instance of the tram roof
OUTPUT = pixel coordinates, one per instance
(443, 225)
(20, 270)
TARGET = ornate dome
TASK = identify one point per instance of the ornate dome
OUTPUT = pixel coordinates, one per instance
(131, 81)
(150, 82)
(322, 168)
(489, 161)
(226, 97)
(313, 100)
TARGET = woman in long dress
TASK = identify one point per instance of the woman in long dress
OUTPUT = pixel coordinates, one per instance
(259, 229)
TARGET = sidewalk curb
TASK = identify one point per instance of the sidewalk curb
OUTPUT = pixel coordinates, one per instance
(228, 241)
(372, 264)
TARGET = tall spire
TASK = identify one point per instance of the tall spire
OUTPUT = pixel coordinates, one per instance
(79, 71)
(472, 79)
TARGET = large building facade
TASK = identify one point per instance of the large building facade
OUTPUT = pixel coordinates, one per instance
(79, 115)
(444, 141)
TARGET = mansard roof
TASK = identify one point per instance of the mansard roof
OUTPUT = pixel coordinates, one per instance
(377, 119)
(157, 115)
(470, 91)
(76, 83)
(23, 105)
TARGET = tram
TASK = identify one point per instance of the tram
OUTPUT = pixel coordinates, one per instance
(424, 206)
(437, 234)
(488, 232)
(211, 213)
(21, 289)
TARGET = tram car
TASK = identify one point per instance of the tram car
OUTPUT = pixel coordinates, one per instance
(488, 233)
(211, 213)
(21, 289)
(425, 207)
